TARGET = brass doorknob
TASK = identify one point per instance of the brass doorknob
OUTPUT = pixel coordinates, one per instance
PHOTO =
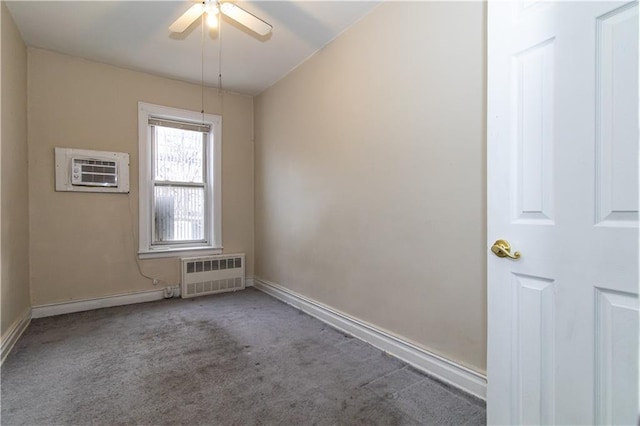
(502, 248)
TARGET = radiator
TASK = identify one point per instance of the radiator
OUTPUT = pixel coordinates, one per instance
(212, 274)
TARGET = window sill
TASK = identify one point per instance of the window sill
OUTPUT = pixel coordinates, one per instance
(179, 252)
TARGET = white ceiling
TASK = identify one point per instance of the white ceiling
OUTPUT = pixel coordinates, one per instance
(135, 35)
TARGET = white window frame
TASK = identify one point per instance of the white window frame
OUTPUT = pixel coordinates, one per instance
(213, 155)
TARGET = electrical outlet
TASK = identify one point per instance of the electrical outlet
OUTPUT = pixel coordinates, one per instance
(155, 281)
(168, 292)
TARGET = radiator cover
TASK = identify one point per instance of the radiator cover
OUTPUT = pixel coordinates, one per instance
(212, 274)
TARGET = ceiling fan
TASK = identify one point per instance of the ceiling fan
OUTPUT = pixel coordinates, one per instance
(212, 9)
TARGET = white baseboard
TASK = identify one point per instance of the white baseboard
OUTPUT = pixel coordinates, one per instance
(434, 365)
(42, 311)
(13, 334)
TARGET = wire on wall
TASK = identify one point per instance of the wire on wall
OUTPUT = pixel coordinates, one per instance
(134, 238)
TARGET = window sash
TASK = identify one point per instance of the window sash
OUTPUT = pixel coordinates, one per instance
(179, 223)
(205, 153)
(206, 218)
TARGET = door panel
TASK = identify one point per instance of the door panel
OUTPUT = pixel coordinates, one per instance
(532, 106)
(616, 316)
(533, 334)
(616, 148)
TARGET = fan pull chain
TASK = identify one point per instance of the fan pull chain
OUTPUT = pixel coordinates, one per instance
(202, 62)
(219, 49)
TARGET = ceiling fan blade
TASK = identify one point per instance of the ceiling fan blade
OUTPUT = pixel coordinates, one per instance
(187, 18)
(245, 18)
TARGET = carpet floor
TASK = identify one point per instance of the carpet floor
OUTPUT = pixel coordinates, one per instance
(231, 359)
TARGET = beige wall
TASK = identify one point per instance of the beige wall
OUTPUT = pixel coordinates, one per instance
(83, 244)
(370, 176)
(14, 211)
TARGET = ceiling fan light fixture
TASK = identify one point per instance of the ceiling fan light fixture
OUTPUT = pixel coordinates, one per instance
(212, 9)
(245, 18)
(212, 16)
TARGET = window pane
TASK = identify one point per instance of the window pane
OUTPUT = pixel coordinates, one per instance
(178, 155)
(179, 213)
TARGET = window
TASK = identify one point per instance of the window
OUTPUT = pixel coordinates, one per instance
(179, 154)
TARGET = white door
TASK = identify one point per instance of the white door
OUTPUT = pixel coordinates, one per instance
(563, 190)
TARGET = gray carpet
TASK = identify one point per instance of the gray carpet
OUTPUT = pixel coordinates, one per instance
(231, 359)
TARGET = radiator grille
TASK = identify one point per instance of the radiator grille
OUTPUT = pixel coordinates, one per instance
(214, 274)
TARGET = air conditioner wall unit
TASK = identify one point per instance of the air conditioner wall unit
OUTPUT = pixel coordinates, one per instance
(81, 170)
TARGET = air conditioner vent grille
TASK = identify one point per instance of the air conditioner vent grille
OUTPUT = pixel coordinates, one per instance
(94, 172)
